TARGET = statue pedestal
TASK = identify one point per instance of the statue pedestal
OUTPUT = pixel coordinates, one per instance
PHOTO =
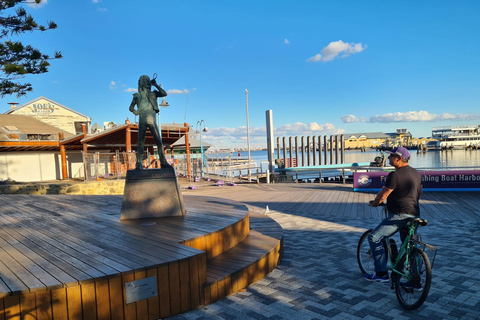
(152, 193)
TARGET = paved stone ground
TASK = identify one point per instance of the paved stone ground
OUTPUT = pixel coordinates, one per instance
(319, 278)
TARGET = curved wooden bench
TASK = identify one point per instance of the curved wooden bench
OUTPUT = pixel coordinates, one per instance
(246, 263)
(69, 257)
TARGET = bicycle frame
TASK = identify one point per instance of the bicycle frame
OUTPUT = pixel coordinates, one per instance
(406, 248)
(408, 244)
(411, 241)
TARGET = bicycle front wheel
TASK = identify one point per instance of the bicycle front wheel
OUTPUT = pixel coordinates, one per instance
(413, 285)
(364, 254)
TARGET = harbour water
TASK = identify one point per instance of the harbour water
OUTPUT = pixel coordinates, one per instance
(432, 159)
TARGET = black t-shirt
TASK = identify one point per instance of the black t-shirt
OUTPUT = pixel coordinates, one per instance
(406, 183)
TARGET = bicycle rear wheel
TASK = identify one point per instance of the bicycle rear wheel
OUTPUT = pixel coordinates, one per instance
(412, 288)
(364, 254)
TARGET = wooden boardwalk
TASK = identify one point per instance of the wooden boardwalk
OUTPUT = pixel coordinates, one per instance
(69, 257)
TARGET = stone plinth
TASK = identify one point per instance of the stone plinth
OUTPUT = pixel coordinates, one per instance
(152, 193)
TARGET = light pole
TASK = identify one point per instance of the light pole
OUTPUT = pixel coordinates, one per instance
(163, 104)
(199, 126)
(248, 139)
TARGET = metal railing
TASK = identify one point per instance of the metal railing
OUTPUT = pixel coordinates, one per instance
(100, 165)
(224, 166)
(228, 167)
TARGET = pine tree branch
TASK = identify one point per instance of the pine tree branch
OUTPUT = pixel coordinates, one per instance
(18, 60)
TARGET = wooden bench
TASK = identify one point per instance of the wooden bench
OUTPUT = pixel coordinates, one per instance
(69, 257)
(246, 263)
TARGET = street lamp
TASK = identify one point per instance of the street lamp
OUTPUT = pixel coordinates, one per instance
(248, 139)
(199, 126)
(163, 104)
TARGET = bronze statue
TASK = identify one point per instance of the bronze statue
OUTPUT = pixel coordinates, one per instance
(147, 108)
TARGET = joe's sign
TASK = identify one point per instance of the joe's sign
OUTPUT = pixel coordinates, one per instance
(460, 180)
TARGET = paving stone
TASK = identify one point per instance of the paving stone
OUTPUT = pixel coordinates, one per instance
(319, 278)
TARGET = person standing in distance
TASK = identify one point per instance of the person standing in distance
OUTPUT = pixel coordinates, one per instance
(402, 191)
(147, 108)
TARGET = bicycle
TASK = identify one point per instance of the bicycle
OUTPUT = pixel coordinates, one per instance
(410, 270)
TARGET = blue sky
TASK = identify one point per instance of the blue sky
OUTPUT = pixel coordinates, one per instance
(323, 67)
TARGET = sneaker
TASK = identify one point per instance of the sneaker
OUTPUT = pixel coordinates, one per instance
(408, 285)
(373, 277)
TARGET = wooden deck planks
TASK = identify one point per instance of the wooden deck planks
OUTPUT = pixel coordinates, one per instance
(60, 234)
(71, 247)
(247, 262)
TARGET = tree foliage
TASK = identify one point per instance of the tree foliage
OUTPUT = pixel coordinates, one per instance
(17, 59)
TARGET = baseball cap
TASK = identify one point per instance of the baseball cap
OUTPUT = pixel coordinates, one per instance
(400, 151)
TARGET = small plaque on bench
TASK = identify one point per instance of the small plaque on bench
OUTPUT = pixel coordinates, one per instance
(140, 289)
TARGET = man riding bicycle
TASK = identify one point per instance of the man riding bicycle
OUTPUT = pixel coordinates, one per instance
(402, 191)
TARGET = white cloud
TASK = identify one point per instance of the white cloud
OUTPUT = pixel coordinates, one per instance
(315, 58)
(313, 128)
(113, 85)
(412, 116)
(130, 90)
(237, 137)
(234, 137)
(235, 133)
(335, 49)
(37, 6)
(286, 41)
(177, 91)
(100, 8)
(351, 118)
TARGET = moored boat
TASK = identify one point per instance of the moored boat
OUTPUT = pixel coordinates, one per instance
(457, 137)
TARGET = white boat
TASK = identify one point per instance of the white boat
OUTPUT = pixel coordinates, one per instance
(457, 137)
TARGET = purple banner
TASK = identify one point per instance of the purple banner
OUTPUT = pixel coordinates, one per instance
(459, 180)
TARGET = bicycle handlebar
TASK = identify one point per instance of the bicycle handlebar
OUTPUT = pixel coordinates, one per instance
(383, 204)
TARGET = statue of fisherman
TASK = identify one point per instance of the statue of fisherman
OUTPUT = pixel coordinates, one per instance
(147, 108)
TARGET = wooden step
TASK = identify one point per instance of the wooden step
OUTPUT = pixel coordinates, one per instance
(232, 226)
(247, 262)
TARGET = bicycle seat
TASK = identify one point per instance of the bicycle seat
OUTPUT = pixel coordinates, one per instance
(419, 221)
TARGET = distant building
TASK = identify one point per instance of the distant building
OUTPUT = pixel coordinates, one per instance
(30, 150)
(425, 141)
(44, 140)
(179, 146)
(109, 125)
(96, 128)
(365, 140)
(52, 113)
(401, 137)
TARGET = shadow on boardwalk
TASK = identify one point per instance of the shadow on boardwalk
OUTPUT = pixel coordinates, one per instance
(319, 276)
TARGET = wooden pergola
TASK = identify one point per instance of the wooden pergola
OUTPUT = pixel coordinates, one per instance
(120, 138)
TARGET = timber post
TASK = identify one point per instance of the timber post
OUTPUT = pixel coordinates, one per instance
(63, 155)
